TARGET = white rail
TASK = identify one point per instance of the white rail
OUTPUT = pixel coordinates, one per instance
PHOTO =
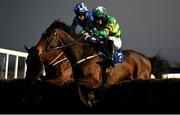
(17, 54)
(169, 76)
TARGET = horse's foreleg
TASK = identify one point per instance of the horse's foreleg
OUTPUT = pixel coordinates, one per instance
(83, 98)
(90, 82)
(88, 85)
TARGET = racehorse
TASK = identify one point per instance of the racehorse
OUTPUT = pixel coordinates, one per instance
(89, 66)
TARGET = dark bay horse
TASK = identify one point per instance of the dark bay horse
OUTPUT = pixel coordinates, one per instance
(88, 65)
(137, 65)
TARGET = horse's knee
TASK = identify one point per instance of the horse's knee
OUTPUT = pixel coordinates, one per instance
(90, 82)
(144, 76)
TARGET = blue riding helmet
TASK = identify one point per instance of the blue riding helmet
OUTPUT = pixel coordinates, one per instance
(80, 8)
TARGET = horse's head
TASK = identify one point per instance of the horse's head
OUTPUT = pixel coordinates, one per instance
(34, 65)
(54, 36)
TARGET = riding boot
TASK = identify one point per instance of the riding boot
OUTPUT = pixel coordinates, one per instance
(108, 49)
(111, 52)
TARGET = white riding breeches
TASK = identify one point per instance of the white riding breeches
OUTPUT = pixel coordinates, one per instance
(117, 42)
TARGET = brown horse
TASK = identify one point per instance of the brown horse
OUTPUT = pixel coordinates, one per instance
(89, 66)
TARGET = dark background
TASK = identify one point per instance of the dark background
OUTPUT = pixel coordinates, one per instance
(148, 26)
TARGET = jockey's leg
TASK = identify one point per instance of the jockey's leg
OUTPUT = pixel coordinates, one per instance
(117, 43)
(111, 51)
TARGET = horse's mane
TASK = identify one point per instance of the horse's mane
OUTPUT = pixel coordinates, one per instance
(58, 24)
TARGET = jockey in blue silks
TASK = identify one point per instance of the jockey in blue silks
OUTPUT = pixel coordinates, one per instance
(83, 16)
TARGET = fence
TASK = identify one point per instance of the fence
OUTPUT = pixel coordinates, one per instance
(5, 61)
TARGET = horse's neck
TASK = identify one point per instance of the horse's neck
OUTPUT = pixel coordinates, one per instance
(88, 50)
(65, 37)
(76, 49)
(73, 49)
(75, 52)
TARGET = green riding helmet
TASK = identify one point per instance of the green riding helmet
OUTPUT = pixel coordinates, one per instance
(99, 12)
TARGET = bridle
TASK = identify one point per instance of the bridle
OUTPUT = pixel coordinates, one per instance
(54, 61)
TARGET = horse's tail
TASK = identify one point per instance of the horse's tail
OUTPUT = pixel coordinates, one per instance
(159, 66)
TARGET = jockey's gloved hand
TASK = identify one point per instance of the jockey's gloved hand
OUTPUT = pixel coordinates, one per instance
(90, 39)
(93, 39)
(95, 33)
(91, 33)
(94, 29)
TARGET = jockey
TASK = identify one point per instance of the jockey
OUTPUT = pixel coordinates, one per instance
(83, 16)
(105, 26)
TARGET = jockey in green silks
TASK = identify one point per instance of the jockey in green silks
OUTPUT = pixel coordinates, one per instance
(104, 26)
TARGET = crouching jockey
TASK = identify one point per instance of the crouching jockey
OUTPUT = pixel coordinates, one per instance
(105, 26)
(83, 16)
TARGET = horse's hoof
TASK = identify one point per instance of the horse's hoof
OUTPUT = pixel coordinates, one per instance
(26, 99)
(91, 96)
(38, 98)
(89, 104)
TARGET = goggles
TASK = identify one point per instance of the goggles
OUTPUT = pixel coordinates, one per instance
(98, 18)
(80, 14)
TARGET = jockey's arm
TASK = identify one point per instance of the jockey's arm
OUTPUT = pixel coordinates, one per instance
(74, 25)
(86, 30)
(103, 33)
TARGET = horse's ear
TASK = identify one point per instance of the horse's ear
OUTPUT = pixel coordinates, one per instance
(26, 48)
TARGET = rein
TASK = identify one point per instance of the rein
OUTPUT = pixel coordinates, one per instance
(57, 48)
(86, 58)
(51, 63)
(67, 45)
(76, 41)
